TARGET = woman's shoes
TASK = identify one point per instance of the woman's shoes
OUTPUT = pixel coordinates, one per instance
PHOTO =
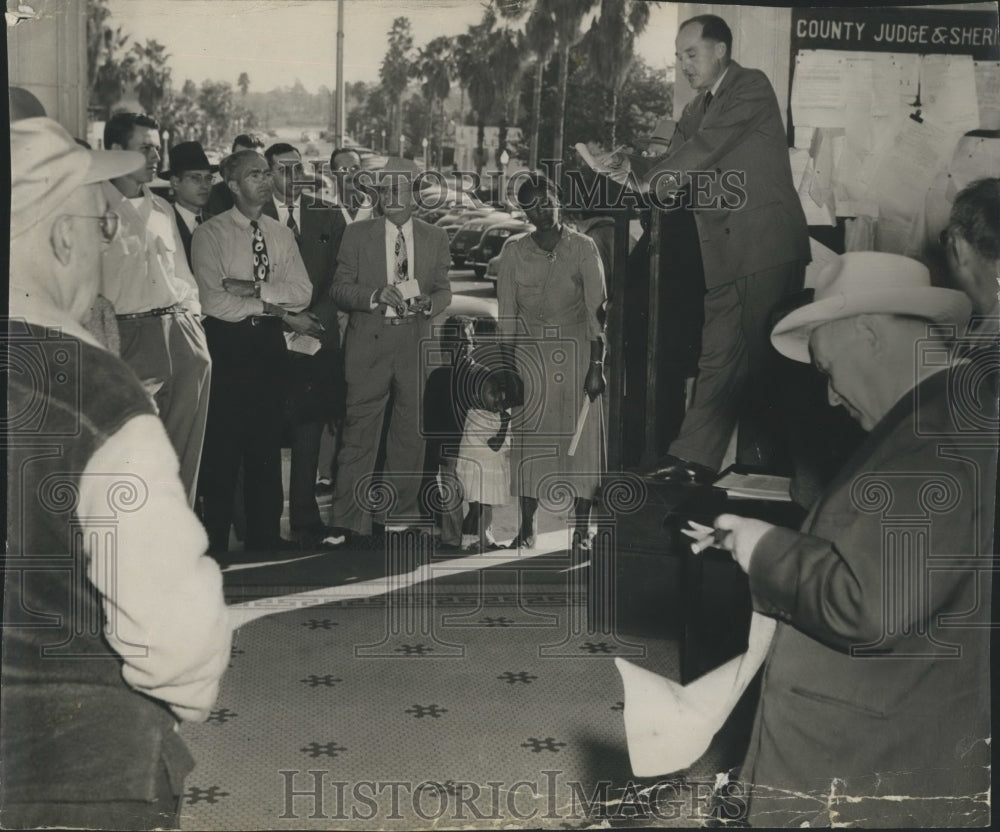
(522, 542)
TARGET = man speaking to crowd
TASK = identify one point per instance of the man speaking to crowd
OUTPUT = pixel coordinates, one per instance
(754, 240)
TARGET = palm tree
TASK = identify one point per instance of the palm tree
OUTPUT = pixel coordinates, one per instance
(395, 72)
(540, 33)
(243, 82)
(434, 65)
(152, 74)
(508, 61)
(568, 15)
(472, 51)
(610, 45)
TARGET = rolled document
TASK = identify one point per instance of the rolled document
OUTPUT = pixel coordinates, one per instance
(581, 420)
(668, 726)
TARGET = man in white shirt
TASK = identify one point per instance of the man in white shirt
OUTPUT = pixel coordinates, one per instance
(251, 278)
(115, 625)
(190, 176)
(147, 279)
(392, 274)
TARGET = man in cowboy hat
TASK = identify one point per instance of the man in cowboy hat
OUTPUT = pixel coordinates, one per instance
(114, 622)
(392, 275)
(874, 707)
(190, 177)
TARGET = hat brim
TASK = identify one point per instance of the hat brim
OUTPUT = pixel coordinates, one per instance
(166, 174)
(110, 164)
(791, 334)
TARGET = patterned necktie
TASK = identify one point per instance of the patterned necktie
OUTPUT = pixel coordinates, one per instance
(496, 442)
(402, 267)
(261, 263)
(708, 98)
(290, 222)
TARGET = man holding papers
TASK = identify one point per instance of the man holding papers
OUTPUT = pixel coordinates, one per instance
(874, 706)
(392, 275)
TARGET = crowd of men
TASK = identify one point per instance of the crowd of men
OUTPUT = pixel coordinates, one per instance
(250, 285)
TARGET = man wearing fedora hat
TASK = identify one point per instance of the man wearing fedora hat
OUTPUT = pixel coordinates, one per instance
(114, 626)
(874, 706)
(392, 275)
(190, 176)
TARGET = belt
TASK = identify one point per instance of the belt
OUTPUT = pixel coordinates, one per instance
(152, 313)
(260, 320)
(408, 319)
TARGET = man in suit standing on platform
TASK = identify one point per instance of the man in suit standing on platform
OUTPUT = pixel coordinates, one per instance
(190, 177)
(316, 386)
(392, 275)
(731, 148)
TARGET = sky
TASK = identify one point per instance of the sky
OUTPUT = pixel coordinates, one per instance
(277, 41)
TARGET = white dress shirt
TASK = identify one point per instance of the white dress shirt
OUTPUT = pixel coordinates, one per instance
(144, 267)
(222, 247)
(190, 217)
(391, 234)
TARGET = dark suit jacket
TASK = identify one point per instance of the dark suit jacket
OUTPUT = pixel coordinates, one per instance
(220, 199)
(361, 269)
(906, 715)
(186, 235)
(739, 137)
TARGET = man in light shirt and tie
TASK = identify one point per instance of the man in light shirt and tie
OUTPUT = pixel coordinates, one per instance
(392, 274)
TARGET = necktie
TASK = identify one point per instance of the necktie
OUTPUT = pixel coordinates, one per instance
(290, 222)
(198, 219)
(261, 263)
(496, 442)
(402, 270)
(708, 98)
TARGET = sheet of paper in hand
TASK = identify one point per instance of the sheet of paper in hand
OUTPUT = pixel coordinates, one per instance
(408, 288)
(668, 727)
(305, 344)
(613, 165)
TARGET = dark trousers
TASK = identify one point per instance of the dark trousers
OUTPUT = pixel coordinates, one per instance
(162, 812)
(735, 353)
(245, 414)
(316, 398)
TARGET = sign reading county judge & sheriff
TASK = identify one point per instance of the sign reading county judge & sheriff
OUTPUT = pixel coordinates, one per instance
(898, 30)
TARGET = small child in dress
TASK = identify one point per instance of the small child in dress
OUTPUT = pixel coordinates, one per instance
(483, 466)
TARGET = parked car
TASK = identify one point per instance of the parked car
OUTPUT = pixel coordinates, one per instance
(457, 218)
(493, 241)
(493, 267)
(468, 236)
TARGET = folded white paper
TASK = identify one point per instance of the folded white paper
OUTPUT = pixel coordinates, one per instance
(408, 288)
(305, 344)
(669, 726)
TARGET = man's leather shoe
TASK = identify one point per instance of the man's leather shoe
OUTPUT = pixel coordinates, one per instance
(676, 470)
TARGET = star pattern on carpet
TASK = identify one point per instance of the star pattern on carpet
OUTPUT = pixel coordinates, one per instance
(420, 711)
(512, 677)
(319, 624)
(210, 795)
(414, 649)
(314, 681)
(598, 647)
(500, 621)
(222, 716)
(538, 746)
(327, 749)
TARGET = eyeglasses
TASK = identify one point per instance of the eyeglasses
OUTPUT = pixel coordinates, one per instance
(108, 222)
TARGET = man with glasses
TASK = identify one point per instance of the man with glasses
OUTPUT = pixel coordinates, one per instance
(88, 732)
(190, 176)
(147, 279)
(316, 388)
(392, 275)
(252, 278)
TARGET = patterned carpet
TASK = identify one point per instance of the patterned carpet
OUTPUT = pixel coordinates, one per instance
(475, 700)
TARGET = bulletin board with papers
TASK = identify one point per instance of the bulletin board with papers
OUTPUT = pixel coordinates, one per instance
(881, 99)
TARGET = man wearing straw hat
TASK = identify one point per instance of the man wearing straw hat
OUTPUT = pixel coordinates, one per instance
(874, 706)
(114, 622)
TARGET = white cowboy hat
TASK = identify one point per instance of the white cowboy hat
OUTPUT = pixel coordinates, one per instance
(868, 282)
